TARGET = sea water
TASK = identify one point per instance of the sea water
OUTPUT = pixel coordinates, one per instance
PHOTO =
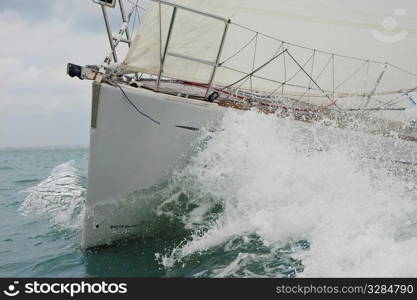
(263, 197)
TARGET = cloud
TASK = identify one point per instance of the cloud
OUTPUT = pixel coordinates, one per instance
(39, 104)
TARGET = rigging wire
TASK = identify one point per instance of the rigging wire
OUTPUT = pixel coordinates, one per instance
(308, 75)
(254, 71)
(313, 83)
(239, 51)
(307, 48)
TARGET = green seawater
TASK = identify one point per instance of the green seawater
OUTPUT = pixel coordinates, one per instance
(38, 243)
(274, 201)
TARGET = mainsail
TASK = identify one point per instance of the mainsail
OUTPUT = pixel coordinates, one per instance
(222, 44)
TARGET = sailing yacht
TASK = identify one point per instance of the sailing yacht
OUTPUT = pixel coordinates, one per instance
(189, 62)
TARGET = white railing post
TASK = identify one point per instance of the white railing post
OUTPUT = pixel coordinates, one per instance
(171, 25)
(219, 53)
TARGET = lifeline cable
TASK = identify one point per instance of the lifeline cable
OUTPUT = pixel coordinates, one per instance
(134, 105)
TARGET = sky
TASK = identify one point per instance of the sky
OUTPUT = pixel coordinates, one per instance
(41, 106)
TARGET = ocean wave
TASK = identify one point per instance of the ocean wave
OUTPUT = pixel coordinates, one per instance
(61, 196)
(286, 182)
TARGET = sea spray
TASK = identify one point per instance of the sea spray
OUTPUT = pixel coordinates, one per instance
(61, 196)
(283, 183)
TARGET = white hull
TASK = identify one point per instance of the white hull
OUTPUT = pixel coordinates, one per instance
(130, 153)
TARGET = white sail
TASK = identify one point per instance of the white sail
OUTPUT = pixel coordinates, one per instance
(193, 35)
(196, 39)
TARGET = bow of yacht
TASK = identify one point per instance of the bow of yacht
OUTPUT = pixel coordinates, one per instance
(188, 63)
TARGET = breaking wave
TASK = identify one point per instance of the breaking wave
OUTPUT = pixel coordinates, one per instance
(61, 196)
(267, 197)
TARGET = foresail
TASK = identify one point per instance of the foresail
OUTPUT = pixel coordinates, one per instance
(193, 35)
(209, 42)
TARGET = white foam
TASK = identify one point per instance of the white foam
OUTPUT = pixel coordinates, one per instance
(61, 196)
(286, 181)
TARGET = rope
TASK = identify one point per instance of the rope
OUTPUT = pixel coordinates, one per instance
(329, 91)
(350, 76)
(239, 51)
(307, 48)
(291, 78)
(253, 61)
(256, 70)
(315, 83)
(378, 81)
(134, 105)
(393, 101)
(335, 88)
(285, 72)
(410, 98)
(365, 85)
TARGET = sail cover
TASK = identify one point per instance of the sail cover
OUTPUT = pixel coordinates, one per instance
(185, 44)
